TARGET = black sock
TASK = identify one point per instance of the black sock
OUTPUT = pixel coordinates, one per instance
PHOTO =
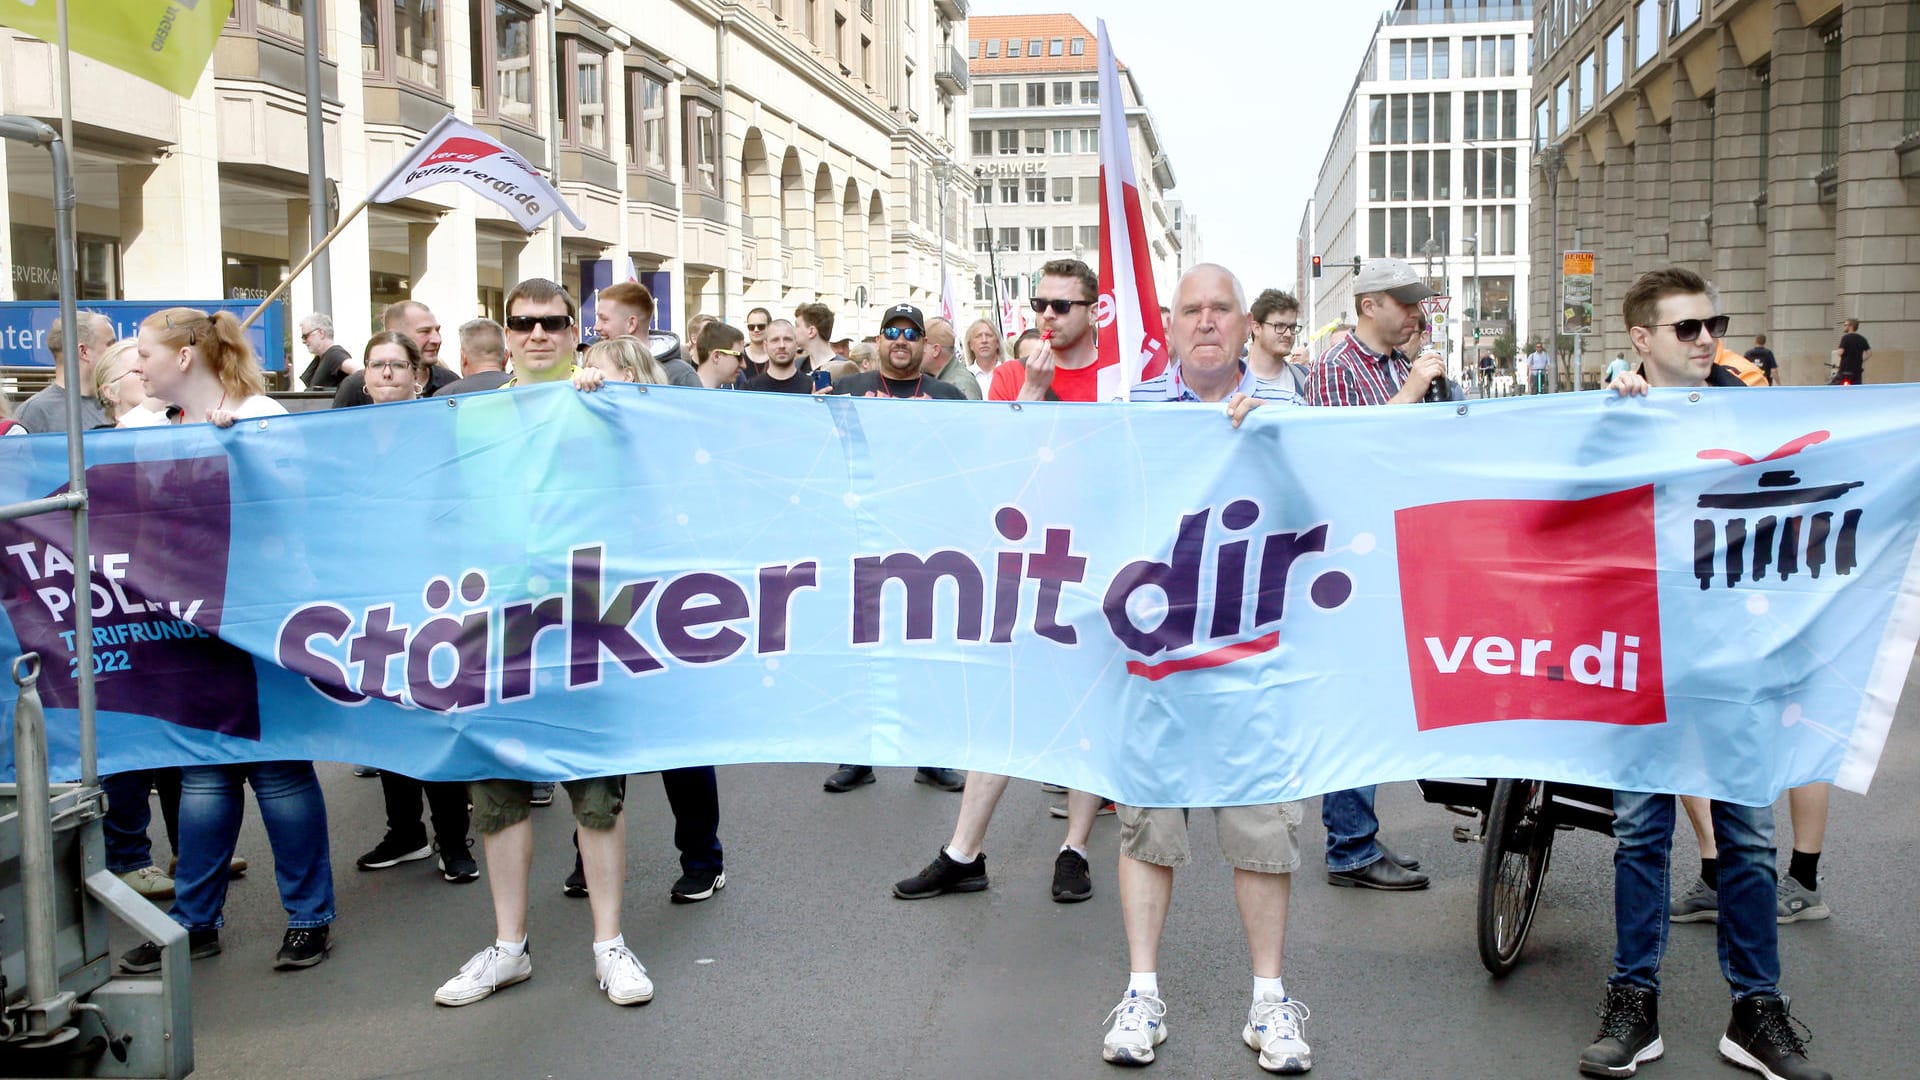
(1710, 872)
(1804, 868)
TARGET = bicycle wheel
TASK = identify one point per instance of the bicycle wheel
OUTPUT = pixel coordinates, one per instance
(1518, 842)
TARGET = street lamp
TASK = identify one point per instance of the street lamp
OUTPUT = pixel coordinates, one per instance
(1551, 158)
(993, 264)
(1472, 330)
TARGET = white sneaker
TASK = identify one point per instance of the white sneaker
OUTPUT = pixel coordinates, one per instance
(149, 882)
(490, 969)
(1139, 1025)
(1276, 1028)
(623, 977)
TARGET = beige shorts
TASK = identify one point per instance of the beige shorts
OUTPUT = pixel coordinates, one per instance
(1257, 838)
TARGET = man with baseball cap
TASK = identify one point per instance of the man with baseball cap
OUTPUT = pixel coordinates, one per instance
(1368, 367)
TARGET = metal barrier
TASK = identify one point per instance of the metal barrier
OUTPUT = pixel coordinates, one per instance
(61, 1009)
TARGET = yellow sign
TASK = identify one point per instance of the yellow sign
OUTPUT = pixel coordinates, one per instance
(166, 42)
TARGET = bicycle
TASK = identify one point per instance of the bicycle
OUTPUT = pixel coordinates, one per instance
(1518, 819)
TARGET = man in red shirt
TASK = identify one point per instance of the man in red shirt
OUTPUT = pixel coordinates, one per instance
(1064, 367)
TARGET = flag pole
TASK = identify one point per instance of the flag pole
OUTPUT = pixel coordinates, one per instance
(286, 282)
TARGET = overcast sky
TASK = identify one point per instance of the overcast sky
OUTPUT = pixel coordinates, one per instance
(1245, 93)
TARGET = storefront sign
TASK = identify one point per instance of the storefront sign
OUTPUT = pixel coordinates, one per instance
(24, 325)
(1014, 168)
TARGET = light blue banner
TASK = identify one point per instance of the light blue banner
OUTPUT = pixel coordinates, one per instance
(1706, 592)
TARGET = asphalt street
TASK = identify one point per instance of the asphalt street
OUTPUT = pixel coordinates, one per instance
(806, 966)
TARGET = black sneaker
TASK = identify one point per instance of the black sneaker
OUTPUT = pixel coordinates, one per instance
(457, 866)
(303, 947)
(1071, 882)
(1761, 1038)
(144, 958)
(392, 851)
(943, 875)
(541, 795)
(696, 885)
(848, 777)
(575, 887)
(1629, 1033)
(944, 779)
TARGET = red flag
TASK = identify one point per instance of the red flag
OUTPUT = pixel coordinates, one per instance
(1133, 343)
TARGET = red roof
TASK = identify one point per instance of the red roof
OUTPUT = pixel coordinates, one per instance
(1010, 32)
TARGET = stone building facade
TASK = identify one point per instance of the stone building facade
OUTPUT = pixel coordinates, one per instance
(740, 153)
(1773, 146)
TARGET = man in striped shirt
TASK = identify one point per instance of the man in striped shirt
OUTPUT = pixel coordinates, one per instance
(1367, 367)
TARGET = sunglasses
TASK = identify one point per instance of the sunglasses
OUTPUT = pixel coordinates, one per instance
(552, 324)
(897, 333)
(1060, 307)
(1689, 329)
(735, 353)
(756, 326)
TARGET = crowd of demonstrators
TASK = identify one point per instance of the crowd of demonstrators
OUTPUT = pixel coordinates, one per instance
(188, 367)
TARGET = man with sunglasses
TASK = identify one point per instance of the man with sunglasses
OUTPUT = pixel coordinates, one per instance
(1676, 336)
(331, 361)
(1276, 327)
(718, 355)
(1369, 367)
(1063, 368)
(542, 327)
(757, 322)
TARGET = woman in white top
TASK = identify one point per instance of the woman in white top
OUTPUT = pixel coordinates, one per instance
(121, 392)
(202, 367)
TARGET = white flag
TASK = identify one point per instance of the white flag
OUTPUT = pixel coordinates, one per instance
(1133, 344)
(459, 153)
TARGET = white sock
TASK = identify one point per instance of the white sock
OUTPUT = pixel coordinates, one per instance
(602, 948)
(1264, 987)
(961, 857)
(1144, 983)
(1080, 851)
(511, 948)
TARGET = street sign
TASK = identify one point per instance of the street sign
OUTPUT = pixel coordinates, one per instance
(1435, 306)
(1576, 292)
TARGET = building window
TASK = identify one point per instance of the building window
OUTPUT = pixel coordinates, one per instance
(913, 191)
(583, 108)
(1540, 123)
(503, 83)
(1036, 95)
(1646, 31)
(1010, 95)
(1079, 47)
(703, 147)
(1063, 238)
(1397, 233)
(1416, 59)
(1469, 58)
(1396, 60)
(1506, 55)
(1685, 14)
(1090, 237)
(866, 60)
(1063, 93)
(1377, 177)
(993, 49)
(983, 143)
(1036, 190)
(1009, 191)
(1509, 171)
(1443, 174)
(1399, 113)
(1589, 84)
(1830, 100)
(1009, 239)
(1470, 118)
(1442, 56)
(983, 95)
(1033, 46)
(1560, 113)
(1397, 186)
(1089, 140)
(1376, 234)
(1089, 92)
(275, 18)
(1009, 140)
(1063, 189)
(1037, 239)
(1013, 48)
(400, 42)
(984, 196)
(973, 53)
(647, 122)
(1090, 190)
(1764, 74)
(1421, 131)
(1377, 120)
(1616, 59)
(1055, 48)
(1420, 178)
(1063, 140)
(1036, 141)
(1509, 114)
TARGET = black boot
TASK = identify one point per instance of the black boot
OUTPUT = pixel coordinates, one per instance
(1629, 1033)
(1760, 1037)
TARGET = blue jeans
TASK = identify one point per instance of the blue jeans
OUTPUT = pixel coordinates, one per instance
(1749, 936)
(1351, 825)
(129, 814)
(211, 806)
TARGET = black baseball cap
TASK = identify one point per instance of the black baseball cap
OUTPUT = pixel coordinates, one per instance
(907, 312)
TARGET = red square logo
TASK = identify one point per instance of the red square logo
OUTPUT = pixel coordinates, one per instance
(1532, 609)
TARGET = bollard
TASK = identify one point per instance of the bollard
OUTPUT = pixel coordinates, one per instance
(36, 831)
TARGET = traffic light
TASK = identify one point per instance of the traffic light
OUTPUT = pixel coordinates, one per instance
(1356, 264)
(1316, 266)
